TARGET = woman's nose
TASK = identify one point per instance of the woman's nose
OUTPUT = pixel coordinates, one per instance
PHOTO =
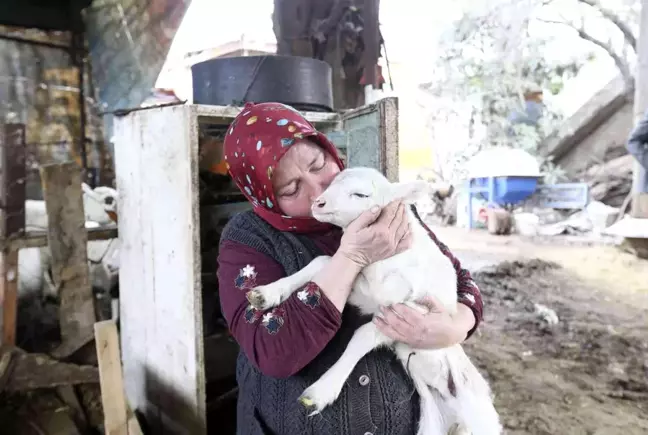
(319, 202)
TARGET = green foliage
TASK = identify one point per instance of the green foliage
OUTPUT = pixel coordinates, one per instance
(489, 62)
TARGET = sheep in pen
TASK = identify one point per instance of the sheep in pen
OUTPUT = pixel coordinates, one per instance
(38, 293)
(454, 396)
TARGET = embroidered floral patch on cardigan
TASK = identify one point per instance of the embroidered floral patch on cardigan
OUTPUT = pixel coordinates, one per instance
(246, 278)
(310, 295)
(273, 320)
(252, 314)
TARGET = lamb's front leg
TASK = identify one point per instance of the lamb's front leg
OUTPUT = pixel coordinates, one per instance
(270, 295)
(327, 388)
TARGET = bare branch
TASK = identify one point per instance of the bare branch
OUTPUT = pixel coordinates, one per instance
(620, 63)
(616, 20)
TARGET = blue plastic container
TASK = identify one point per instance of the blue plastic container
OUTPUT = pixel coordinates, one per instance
(506, 190)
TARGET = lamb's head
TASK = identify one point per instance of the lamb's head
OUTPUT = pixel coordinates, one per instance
(101, 202)
(356, 190)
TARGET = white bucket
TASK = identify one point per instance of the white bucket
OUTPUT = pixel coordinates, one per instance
(526, 224)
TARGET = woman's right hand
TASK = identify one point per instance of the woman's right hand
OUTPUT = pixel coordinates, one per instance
(377, 235)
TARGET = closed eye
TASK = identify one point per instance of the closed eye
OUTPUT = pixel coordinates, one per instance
(360, 195)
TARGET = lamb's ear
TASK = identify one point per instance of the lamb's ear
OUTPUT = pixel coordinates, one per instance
(409, 192)
(87, 189)
(90, 192)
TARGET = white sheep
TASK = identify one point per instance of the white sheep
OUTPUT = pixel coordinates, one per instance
(452, 392)
(100, 208)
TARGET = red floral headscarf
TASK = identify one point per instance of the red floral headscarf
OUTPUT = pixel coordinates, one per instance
(255, 142)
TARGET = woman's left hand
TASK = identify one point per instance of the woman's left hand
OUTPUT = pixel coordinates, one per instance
(435, 330)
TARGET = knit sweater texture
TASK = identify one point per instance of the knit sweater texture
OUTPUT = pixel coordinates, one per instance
(387, 404)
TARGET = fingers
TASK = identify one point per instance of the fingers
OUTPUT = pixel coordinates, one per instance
(398, 320)
(399, 215)
(404, 237)
(432, 303)
(406, 242)
(394, 222)
(409, 314)
(389, 214)
(401, 231)
(388, 329)
(365, 219)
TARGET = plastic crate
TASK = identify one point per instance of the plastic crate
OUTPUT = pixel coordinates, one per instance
(505, 190)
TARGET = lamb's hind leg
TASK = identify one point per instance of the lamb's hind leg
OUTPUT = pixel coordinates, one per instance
(473, 404)
(327, 388)
(270, 295)
(476, 414)
(431, 420)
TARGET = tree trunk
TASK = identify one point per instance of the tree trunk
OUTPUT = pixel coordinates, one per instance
(640, 177)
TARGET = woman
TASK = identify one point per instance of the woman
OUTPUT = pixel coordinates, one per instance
(281, 164)
(637, 146)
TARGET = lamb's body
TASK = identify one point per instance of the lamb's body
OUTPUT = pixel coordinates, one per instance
(400, 276)
(451, 389)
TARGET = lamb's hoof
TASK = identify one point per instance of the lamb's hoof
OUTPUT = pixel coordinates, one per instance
(256, 299)
(309, 404)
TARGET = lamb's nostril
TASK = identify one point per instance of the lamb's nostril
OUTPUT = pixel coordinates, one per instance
(319, 203)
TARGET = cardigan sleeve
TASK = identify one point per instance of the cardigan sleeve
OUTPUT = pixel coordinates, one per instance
(284, 339)
(467, 290)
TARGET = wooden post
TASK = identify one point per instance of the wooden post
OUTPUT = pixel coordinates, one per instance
(9, 295)
(640, 181)
(67, 239)
(12, 200)
(156, 150)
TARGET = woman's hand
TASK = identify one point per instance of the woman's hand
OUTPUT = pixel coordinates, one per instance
(377, 235)
(435, 330)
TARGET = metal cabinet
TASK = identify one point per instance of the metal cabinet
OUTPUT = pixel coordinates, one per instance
(164, 213)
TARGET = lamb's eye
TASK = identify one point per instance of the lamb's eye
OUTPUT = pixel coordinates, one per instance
(360, 195)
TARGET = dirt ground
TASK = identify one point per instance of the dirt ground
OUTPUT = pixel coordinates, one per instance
(587, 374)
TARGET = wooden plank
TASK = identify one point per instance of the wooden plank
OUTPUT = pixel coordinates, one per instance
(12, 222)
(388, 127)
(132, 424)
(157, 151)
(68, 240)
(55, 421)
(9, 295)
(38, 239)
(111, 378)
(30, 371)
(372, 137)
(68, 395)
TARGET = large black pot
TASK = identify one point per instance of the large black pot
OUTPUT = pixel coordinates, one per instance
(301, 82)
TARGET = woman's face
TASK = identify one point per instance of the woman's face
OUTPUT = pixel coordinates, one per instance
(302, 174)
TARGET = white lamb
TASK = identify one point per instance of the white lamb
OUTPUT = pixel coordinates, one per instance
(453, 394)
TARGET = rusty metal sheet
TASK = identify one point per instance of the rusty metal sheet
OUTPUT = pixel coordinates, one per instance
(39, 87)
(128, 43)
